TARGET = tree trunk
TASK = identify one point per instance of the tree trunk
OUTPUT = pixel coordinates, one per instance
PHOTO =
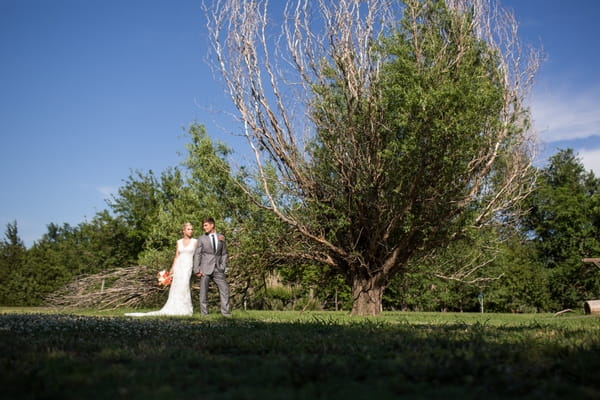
(366, 296)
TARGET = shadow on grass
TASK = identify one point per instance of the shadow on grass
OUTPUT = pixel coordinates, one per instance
(53, 356)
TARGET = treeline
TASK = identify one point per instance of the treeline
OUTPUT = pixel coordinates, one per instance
(533, 264)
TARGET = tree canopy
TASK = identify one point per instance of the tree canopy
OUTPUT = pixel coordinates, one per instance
(413, 126)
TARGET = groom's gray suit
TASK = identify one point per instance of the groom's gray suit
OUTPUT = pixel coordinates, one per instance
(212, 263)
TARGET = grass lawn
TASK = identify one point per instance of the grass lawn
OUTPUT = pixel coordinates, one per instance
(87, 354)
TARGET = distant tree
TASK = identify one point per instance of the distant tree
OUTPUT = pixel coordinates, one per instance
(204, 186)
(13, 248)
(153, 208)
(524, 283)
(452, 277)
(563, 225)
(50, 263)
(12, 258)
(137, 203)
(104, 243)
(387, 140)
(62, 254)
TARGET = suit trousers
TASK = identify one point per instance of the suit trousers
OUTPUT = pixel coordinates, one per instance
(218, 277)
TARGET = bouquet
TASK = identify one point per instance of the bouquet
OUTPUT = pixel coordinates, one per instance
(164, 278)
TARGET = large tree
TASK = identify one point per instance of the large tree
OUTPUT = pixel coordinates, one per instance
(381, 130)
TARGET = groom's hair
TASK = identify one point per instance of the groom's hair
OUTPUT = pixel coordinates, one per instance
(210, 220)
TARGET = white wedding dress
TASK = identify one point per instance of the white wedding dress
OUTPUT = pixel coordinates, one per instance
(180, 298)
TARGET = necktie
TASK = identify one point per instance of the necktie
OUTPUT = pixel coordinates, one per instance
(213, 242)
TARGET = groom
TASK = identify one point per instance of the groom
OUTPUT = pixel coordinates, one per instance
(210, 263)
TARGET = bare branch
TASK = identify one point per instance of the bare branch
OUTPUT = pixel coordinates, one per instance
(470, 282)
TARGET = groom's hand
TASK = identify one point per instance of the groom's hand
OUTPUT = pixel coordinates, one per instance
(199, 274)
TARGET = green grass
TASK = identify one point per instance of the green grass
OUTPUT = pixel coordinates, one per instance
(47, 354)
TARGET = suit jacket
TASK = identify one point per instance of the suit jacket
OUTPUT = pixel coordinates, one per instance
(206, 260)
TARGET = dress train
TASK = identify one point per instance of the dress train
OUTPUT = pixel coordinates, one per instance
(179, 302)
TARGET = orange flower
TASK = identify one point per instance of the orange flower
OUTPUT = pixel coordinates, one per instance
(164, 278)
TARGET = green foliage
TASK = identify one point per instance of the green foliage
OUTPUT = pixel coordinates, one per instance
(563, 225)
(441, 115)
(318, 285)
(278, 298)
(158, 259)
(12, 264)
(419, 291)
(142, 201)
(211, 177)
(67, 252)
(105, 243)
(500, 265)
(404, 165)
(523, 286)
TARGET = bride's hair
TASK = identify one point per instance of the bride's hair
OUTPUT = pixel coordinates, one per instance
(183, 226)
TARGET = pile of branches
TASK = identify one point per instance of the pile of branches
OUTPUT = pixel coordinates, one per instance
(130, 287)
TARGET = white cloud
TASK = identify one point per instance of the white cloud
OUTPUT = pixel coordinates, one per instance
(566, 115)
(591, 160)
(106, 191)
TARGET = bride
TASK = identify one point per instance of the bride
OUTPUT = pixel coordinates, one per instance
(180, 299)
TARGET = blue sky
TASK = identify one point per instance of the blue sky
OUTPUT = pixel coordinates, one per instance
(91, 90)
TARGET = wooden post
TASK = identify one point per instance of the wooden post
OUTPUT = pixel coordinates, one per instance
(595, 261)
(592, 307)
